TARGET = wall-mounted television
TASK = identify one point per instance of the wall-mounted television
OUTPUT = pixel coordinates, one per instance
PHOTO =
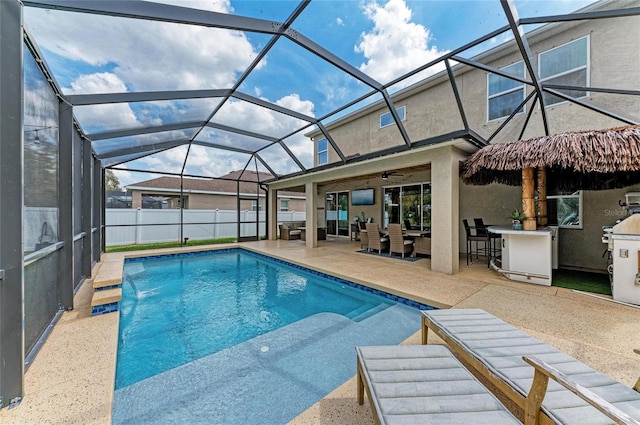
(362, 197)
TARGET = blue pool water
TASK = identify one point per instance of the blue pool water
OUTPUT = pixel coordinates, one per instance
(236, 337)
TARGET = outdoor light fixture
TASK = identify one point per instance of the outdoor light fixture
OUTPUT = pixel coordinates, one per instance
(385, 176)
(38, 128)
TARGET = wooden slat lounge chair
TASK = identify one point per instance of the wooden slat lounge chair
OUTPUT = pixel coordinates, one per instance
(424, 384)
(495, 349)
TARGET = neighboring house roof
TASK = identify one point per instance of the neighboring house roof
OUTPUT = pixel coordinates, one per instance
(226, 184)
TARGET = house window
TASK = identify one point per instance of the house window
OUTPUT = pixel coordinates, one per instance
(284, 205)
(323, 151)
(565, 210)
(504, 94)
(409, 205)
(387, 119)
(256, 205)
(565, 65)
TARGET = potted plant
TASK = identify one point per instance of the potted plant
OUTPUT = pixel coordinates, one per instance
(517, 218)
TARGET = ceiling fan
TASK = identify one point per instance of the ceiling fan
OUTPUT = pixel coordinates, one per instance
(388, 174)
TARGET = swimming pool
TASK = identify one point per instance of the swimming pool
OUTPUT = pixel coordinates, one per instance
(231, 336)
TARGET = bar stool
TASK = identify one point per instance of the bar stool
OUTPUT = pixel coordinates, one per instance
(473, 237)
(493, 247)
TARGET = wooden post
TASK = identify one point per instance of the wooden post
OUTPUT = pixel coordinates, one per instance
(528, 199)
(542, 196)
(533, 402)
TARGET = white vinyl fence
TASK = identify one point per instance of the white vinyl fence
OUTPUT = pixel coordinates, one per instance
(140, 226)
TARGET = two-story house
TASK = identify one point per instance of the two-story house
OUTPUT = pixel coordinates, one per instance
(487, 97)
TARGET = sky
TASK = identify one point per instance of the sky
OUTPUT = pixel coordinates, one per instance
(384, 39)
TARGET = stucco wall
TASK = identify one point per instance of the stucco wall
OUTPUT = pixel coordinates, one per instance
(432, 110)
(577, 248)
(378, 185)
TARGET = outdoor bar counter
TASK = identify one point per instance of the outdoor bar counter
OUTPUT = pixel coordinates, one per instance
(527, 255)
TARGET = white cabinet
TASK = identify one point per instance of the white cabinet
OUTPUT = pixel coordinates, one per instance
(527, 255)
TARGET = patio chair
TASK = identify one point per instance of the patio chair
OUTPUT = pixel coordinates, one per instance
(481, 230)
(397, 242)
(376, 240)
(287, 233)
(364, 239)
(474, 238)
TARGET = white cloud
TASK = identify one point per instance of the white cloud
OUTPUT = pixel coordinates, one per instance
(118, 115)
(127, 55)
(207, 161)
(147, 55)
(395, 45)
(339, 22)
(294, 103)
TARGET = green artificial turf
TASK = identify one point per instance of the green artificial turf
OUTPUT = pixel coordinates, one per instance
(597, 283)
(120, 248)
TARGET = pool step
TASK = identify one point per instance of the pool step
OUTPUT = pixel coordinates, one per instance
(107, 288)
(106, 301)
(366, 311)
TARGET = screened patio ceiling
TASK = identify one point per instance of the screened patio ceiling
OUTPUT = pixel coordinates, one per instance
(204, 88)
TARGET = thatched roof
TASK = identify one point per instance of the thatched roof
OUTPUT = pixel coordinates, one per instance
(590, 160)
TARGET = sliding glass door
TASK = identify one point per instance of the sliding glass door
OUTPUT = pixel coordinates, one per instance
(337, 210)
(408, 205)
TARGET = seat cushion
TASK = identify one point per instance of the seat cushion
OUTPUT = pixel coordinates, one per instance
(500, 347)
(425, 384)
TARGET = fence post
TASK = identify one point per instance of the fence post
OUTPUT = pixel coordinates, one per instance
(215, 223)
(138, 237)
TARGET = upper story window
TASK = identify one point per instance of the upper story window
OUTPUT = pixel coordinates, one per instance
(256, 205)
(565, 65)
(387, 119)
(323, 151)
(284, 205)
(504, 94)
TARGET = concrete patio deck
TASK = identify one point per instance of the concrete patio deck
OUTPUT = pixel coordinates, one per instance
(71, 380)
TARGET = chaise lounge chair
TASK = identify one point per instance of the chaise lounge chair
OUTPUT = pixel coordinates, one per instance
(495, 349)
(424, 384)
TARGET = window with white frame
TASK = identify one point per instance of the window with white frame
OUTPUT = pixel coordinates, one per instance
(565, 210)
(566, 65)
(387, 119)
(504, 94)
(284, 205)
(323, 151)
(256, 205)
